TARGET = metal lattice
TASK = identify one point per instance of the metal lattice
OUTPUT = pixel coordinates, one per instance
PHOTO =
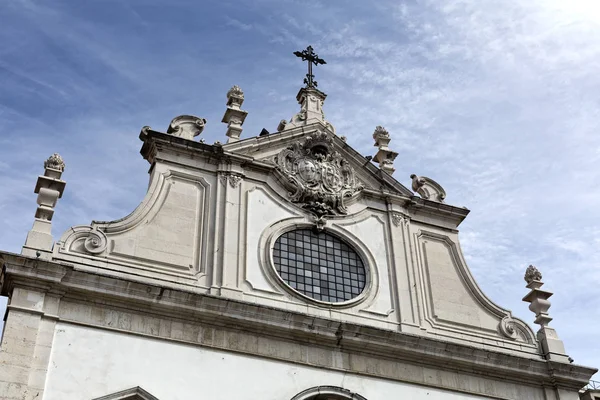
(319, 265)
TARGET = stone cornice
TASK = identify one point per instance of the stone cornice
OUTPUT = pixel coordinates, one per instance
(157, 145)
(355, 157)
(423, 210)
(154, 298)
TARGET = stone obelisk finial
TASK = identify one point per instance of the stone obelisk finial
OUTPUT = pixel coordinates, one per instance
(552, 347)
(49, 188)
(385, 156)
(234, 116)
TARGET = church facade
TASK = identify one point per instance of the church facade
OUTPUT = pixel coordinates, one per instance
(282, 266)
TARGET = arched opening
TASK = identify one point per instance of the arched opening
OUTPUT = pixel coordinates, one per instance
(327, 393)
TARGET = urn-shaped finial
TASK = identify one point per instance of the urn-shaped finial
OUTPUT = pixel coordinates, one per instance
(385, 156)
(235, 97)
(532, 274)
(551, 346)
(234, 116)
(56, 162)
(537, 297)
(49, 188)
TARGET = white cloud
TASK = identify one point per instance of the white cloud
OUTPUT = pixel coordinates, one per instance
(496, 100)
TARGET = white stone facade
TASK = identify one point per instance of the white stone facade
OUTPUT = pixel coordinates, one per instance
(182, 298)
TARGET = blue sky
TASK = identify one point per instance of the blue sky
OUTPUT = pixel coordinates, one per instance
(497, 100)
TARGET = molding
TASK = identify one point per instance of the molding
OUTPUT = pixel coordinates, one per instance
(508, 328)
(136, 393)
(428, 188)
(274, 231)
(362, 166)
(110, 296)
(327, 392)
(93, 245)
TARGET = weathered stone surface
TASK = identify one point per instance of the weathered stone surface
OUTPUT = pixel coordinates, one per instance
(184, 292)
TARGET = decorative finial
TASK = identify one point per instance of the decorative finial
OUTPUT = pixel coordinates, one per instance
(417, 182)
(537, 297)
(281, 125)
(532, 274)
(552, 347)
(49, 188)
(385, 156)
(380, 133)
(235, 91)
(312, 58)
(56, 162)
(235, 97)
(186, 126)
(234, 116)
(428, 188)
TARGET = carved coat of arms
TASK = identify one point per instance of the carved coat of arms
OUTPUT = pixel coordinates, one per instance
(317, 175)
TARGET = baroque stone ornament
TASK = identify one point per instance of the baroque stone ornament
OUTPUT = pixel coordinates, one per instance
(234, 116)
(317, 175)
(96, 242)
(507, 327)
(380, 134)
(532, 274)
(235, 91)
(186, 126)
(397, 218)
(428, 188)
(537, 297)
(385, 156)
(56, 162)
(234, 180)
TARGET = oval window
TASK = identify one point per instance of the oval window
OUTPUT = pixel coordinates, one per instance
(321, 266)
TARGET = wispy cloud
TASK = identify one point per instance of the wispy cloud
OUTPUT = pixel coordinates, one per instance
(238, 24)
(496, 100)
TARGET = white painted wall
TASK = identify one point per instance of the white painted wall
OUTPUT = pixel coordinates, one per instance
(87, 363)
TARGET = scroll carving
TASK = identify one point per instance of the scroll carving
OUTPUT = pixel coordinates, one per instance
(507, 328)
(186, 126)
(95, 242)
(428, 188)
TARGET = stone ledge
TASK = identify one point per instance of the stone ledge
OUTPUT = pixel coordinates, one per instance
(297, 330)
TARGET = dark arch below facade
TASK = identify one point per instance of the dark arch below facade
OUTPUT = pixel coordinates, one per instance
(327, 393)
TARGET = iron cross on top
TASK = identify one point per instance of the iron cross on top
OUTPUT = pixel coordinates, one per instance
(312, 58)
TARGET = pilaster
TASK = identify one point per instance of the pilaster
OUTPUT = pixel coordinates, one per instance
(406, 297)
(27, 343)
(227, 231)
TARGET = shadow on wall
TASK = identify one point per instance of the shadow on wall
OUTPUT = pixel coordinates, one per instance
(3, 302)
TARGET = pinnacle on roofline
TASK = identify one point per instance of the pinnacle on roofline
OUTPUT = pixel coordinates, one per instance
(385, 156)
(234, 116)
(552, 347)
(49, 188)
(309, 55)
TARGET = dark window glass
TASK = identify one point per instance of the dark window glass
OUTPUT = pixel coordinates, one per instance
(322, 265)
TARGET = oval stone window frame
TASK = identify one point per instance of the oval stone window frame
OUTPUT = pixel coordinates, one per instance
(279, 229)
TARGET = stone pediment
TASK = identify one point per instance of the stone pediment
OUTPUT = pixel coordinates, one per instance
(354, 166)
